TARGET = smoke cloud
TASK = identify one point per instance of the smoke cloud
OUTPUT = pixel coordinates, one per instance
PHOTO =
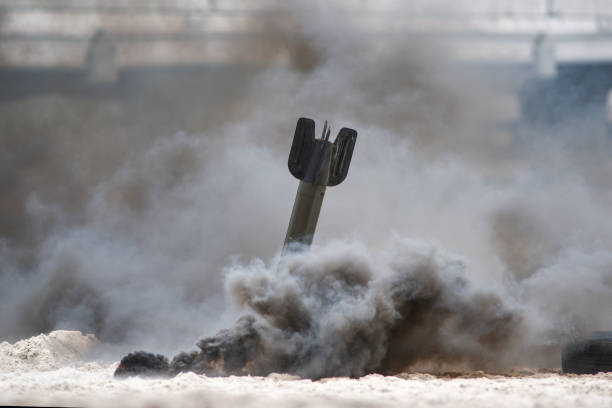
(152, 214)
(341, 311)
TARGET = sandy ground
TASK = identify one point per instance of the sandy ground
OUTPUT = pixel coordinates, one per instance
(95, 386)
(50, 370)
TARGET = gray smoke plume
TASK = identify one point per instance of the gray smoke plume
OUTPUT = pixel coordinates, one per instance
(341, 311)
(122, 209)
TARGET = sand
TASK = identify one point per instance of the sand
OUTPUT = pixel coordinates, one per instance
(46, 352)
(52, 370)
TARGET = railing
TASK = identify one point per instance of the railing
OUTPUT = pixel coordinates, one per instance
(420, 7)
(59, 32)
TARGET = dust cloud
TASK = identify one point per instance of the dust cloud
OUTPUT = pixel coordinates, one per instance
(152, 214)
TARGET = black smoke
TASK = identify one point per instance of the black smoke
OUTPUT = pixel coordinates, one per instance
(353, 315)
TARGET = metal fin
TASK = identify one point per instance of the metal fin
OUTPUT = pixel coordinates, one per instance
(317, 161)
(302, 147)
(343, 152)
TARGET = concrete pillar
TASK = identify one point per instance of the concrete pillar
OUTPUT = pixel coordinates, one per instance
(101, 59)
(544, 56)
(550, 8)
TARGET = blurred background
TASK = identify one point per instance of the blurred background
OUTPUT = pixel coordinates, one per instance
(143, 149)
(115, 49)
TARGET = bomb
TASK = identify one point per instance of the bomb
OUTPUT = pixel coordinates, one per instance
(317, 163)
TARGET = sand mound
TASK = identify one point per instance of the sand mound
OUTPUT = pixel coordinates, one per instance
(46, 352)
